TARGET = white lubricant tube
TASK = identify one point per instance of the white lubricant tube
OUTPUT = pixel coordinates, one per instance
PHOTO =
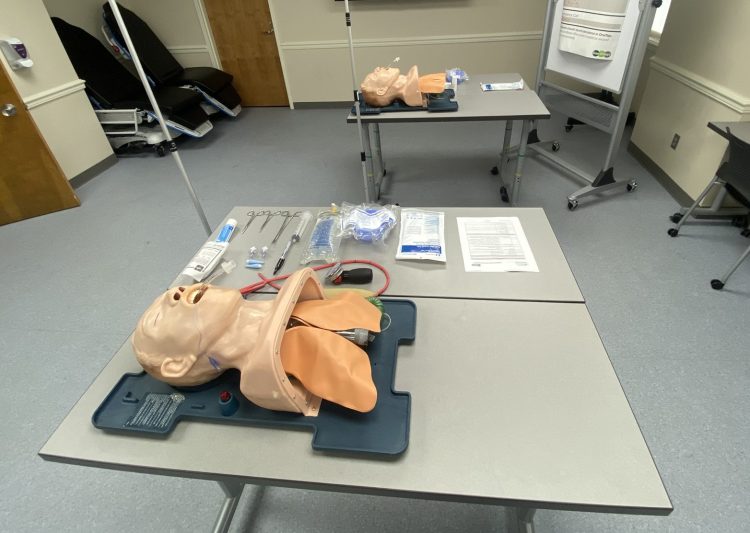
(210, 253)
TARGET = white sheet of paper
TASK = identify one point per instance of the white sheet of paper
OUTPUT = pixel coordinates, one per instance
(495, 244)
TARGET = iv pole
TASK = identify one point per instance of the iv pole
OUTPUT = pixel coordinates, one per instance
(362, 153)
(157, 110)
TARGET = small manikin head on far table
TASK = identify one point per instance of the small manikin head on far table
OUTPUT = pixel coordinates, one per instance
(384, 85)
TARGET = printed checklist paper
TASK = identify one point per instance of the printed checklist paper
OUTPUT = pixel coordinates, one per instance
(495, 244)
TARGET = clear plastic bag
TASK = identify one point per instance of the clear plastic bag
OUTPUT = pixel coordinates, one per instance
(368, 222)
(325, 238)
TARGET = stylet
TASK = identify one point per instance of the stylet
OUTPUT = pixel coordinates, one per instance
(304, 220)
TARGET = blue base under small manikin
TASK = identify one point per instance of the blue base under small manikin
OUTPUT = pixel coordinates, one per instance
(436, 103)
(140, 404)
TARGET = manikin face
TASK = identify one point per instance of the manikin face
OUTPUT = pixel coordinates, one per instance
(385, 84)
(176, 333)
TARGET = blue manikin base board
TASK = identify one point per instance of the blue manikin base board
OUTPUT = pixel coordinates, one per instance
(436, 103)
(142, 405)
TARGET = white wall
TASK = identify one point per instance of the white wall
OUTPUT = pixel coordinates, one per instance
(51, 90)
(176, 22)
(699, 74)
(477, 35)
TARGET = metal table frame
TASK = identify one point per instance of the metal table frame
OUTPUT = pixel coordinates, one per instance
(474, 106)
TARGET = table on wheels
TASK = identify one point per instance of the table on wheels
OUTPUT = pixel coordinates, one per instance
(514, 403)
(474, 105)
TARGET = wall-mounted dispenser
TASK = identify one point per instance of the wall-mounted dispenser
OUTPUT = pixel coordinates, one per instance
(15, 52)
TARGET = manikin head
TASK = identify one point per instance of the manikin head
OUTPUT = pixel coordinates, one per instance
(190, 335)
(385, 84)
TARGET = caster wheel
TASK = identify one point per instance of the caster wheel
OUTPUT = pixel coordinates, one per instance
(717, 284)
(572, 205)
(161, 150)
(745, 233)
(739, 222)
(672, 232)
(494, 171)
(555, 146)
(633, 185)
(504, 195)
(676, 217)
(568, 128)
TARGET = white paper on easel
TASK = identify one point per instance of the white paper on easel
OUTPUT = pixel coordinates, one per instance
(495, 244)
(592, 28)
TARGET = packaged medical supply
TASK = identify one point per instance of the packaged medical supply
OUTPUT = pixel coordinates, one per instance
(368, 222)
(325, 239)
(210, 254)
(508, 86)
(456, 76)
(422, 235)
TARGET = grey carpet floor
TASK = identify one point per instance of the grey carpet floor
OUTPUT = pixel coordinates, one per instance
(75, 283)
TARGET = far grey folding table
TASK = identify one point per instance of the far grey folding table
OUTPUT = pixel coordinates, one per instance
(474, 105)
(741, 130)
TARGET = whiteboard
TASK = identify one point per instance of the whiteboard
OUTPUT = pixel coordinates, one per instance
(608, 75)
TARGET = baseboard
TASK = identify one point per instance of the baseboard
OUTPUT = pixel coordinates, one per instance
(322, 105)
(680, 196)
(91, 173)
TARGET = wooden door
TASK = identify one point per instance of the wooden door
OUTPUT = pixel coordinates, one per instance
(31, 181)
(246, 42)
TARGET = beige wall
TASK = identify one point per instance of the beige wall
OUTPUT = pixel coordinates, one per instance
(51, 90)
(699, 73)
(477, 35)
(176, 22)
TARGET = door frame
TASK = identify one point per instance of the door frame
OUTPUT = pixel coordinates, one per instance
(200, 10)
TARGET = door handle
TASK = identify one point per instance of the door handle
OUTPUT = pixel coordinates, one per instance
(8, 110)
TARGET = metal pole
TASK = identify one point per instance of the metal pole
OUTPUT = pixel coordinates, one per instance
(357, 112)
(640, 43)
(157, 110)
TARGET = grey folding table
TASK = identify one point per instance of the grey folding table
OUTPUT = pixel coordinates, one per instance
(514, 403)
(741, 130)
(553, 282)
(474, 105)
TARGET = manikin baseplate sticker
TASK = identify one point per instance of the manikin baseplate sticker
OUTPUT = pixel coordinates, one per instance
(157, 411)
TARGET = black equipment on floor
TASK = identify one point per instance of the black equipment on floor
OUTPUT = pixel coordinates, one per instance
(164, 70)
(110, 86)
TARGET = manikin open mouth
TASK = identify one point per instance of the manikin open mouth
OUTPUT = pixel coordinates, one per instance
(194, 296)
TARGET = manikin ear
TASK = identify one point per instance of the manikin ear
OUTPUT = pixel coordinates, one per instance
(177, 367)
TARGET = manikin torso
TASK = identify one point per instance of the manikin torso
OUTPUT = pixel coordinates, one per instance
(190, 335)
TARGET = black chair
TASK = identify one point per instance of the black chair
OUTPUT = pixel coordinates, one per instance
(109, 85)
(162, 67)
(734, 176)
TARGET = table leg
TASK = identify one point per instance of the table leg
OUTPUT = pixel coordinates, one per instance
(378, 153)
(233, 491)
(506, 148)
(519, 164)
(520, 519)
(370, 193)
